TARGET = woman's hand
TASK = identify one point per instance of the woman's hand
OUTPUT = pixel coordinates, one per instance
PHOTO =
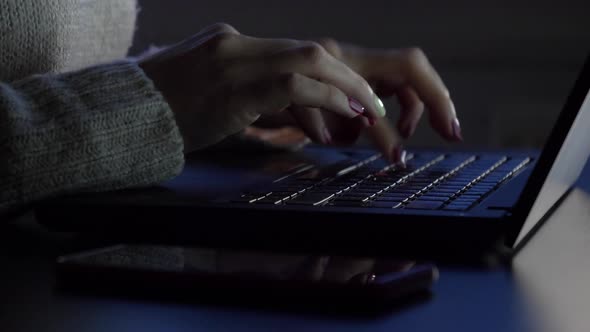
(408, 75)
(218, 82)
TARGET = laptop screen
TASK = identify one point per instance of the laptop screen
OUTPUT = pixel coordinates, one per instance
(561, 162)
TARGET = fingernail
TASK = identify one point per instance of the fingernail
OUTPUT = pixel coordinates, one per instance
(399, 156)
(457, 129)
(402, 158)
(379, 107)
(372, 121)
(327, 136)
(356, 106)
(406, 130)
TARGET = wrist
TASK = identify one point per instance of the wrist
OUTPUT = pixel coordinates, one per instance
(151, 70)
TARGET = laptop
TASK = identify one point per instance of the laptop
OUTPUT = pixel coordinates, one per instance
(347, 200)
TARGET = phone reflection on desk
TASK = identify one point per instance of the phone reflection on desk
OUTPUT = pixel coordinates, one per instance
(276, 266)
(203, 272)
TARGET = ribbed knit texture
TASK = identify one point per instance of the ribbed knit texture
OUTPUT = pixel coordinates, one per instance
(52, 36)
(103, 127)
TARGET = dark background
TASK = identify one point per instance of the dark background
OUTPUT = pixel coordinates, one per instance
(509, 64)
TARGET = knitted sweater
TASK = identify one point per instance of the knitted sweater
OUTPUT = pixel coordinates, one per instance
(74, 114)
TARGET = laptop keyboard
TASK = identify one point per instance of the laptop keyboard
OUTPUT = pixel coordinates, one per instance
(453, 182)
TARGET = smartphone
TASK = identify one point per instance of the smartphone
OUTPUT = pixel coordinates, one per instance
(251, 276)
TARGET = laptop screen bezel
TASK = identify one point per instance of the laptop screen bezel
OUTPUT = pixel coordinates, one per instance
(549, 153)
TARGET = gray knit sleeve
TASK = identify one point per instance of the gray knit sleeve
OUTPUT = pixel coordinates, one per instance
(100, 128)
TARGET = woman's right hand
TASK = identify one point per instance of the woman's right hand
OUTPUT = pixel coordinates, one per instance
(218, 82)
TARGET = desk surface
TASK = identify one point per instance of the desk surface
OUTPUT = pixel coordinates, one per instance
(545, 291)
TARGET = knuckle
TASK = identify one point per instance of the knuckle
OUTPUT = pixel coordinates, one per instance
(222, 27)
(220, 42)
(415, 57)
(331, 46)
(290, 83)
(312, 52)
(332, 96)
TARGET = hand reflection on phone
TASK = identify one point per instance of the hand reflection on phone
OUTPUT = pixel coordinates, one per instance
(290, 267)
(216, 273)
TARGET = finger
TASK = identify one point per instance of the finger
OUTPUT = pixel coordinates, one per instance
(411, 67)
(219, 37)
(420, 74)
(312, 60)
(290, 89)
(310, 120)
(344, 131)
(349, 269)
(387, 140)
(412, 109)
(332, 46)
(219, 27)
(254, 47)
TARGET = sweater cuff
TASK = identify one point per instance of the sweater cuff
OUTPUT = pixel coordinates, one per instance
(140, 135)
(102, 128)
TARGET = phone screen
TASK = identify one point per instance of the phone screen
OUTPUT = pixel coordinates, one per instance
(216, 272)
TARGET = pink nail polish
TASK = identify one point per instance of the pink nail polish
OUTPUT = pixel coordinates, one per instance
(372, 121)
(457, 129)
(356, 106)
(399, 156)
(402, 159)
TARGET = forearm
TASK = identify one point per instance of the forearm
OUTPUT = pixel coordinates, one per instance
(101, 128)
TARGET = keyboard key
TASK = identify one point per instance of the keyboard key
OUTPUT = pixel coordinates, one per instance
(333, 188)
(476, 191)
(495, 176)
(457, 207)
(361, 193)
(459, 180)
(389, 205)
(484, 184)
(353, 199)
(359, 197)
(470, 196)
(320, 192)
(463, 201)
(348, 203)
(488, 182)
(402, 191)
(388, 199)
(432, 198)
(310, 199)
(443, 191)
(451, 187)
(370, 189)
(426, 205)
(435, 194)
(270, 199)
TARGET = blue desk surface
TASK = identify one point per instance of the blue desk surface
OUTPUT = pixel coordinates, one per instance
(545, 291)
